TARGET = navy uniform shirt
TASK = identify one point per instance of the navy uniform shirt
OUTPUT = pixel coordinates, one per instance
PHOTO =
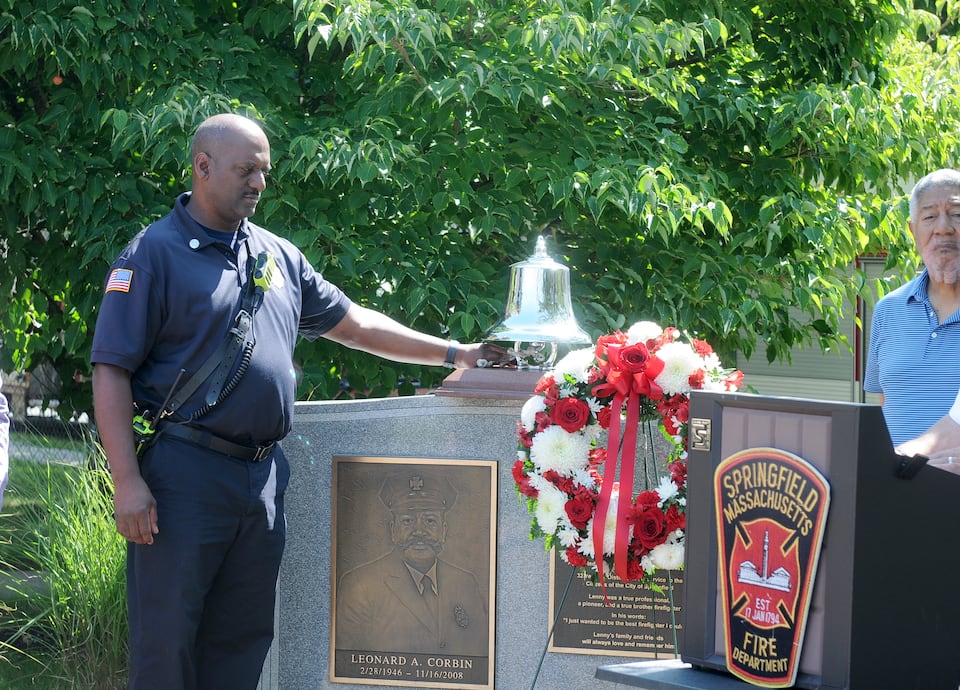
(172, 295)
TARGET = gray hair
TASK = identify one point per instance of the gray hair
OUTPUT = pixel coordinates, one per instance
(945, 177)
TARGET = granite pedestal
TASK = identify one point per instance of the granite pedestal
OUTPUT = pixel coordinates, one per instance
(451, 425)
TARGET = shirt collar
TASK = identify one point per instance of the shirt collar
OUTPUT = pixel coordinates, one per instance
(193, 233)
(919, 291)
(418, 577)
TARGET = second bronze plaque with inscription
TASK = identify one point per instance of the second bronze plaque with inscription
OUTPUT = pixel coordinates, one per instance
(638, 622)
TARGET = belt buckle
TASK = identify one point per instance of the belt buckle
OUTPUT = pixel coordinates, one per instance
(263, 452)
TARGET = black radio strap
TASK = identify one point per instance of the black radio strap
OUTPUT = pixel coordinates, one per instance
(221, 361)
(182, 395)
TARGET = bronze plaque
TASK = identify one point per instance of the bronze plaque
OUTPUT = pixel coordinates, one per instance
(638, 622)
(414, 567)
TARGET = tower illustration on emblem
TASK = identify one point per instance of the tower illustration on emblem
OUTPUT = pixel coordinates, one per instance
(748, 574)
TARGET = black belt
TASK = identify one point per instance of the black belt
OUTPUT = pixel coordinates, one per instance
(215, 443)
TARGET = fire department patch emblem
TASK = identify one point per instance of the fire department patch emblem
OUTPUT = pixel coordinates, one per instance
(771, 512)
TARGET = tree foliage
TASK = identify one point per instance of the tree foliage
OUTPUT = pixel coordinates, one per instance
(716, 165)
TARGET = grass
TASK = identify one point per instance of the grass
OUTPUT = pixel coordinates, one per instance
(62, 590)
(28, 673)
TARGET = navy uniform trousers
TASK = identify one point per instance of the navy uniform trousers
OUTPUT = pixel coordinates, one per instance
(201, 597)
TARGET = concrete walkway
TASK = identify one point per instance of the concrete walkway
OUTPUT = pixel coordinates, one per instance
(26, 450)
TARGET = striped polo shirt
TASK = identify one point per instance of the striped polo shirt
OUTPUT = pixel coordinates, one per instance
(913, 360)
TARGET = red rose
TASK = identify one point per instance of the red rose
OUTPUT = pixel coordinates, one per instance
(570, 413)
(632, 358)
(579, 509)
(650, 527)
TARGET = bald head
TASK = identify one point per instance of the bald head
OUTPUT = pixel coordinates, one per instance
(223, 130)
(231, 161)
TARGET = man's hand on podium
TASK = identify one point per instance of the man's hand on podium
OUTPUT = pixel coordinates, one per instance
(940, 443)
(948, 460)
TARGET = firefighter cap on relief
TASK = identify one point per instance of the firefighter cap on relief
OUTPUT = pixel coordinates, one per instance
(416, 490)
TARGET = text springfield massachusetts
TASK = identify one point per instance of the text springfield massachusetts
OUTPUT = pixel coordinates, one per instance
(771, 513)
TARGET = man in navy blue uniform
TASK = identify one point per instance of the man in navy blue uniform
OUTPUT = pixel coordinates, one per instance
(201, 504)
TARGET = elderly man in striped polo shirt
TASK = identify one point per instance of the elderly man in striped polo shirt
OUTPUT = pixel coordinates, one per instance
(915, 330)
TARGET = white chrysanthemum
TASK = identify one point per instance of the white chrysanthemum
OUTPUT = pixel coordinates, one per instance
(680, 360)
(549, 510)
(529, 411)
(666, 489)
(584, 479)
(642, 331)
(576, 364)
(568, 537)
(667, 556)
(593, 432)
(538, 482)
(586, 548)
(556, 449)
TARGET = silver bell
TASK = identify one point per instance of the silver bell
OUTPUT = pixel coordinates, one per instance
(538, 315)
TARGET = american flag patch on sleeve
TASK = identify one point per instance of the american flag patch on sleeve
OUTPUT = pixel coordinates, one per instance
(119, 281)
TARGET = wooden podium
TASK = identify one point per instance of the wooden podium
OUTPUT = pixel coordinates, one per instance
(885, 612)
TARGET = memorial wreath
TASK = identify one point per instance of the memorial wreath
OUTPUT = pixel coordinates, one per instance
(579, 432)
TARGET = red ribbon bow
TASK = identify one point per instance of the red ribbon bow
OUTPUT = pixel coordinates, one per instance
(626, 387)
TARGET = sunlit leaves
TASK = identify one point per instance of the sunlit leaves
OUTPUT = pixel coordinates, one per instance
(713, 164)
